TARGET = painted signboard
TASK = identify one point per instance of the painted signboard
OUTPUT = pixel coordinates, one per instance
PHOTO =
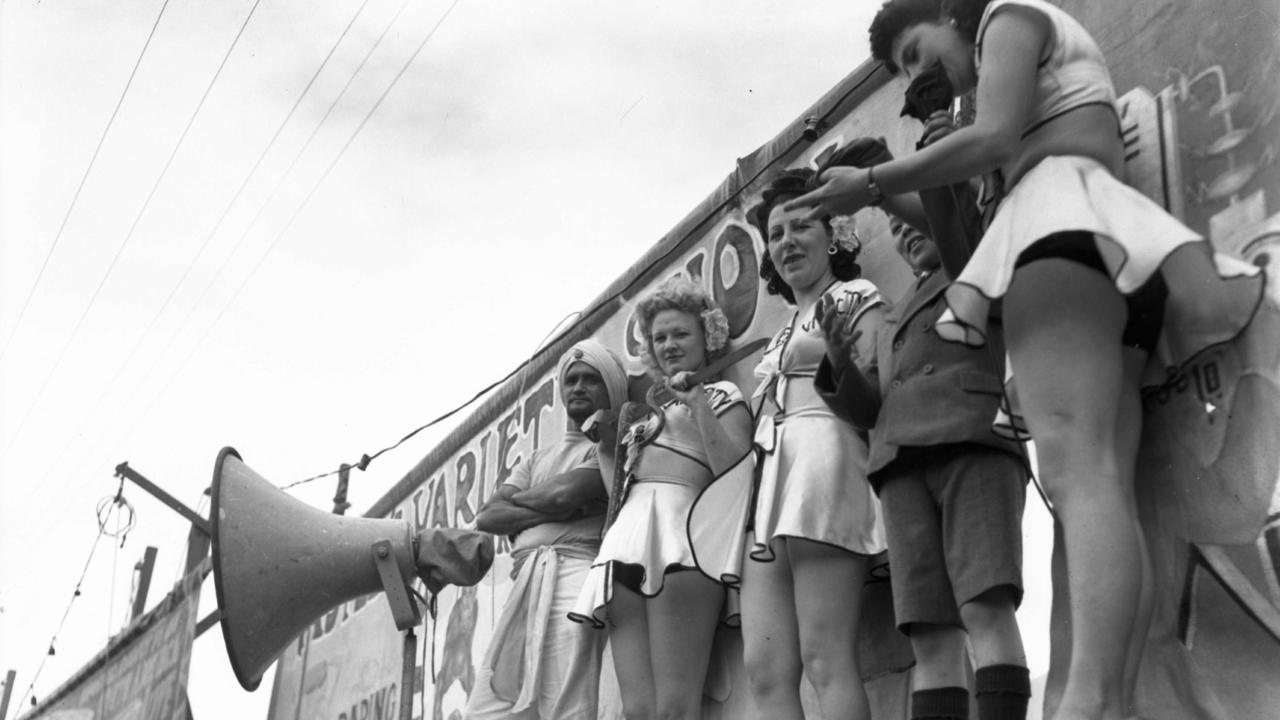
(142, 674)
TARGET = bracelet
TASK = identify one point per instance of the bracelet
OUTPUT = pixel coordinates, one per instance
(877, 195)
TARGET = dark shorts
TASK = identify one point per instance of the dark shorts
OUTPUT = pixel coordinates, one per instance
(1145, 305)
(953, 519)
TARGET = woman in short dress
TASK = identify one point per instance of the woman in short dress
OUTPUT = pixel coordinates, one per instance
(816, 520)
(1092, 274)
(661, 613)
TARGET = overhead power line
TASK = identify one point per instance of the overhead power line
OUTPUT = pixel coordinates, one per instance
(111, 384)
(53, 369)
(186, 320)
(83, 178)
(363, 462)
(296, 213)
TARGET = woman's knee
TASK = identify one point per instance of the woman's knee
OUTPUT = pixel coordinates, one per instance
(831, 665)
(770, 672)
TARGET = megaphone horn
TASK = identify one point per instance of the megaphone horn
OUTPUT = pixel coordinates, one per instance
(278, 564)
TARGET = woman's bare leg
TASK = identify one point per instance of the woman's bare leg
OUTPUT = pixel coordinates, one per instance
(682, 627)
(1063, 325)
(629, 638)
(828, 599)
(1130, 435)
(771, 638)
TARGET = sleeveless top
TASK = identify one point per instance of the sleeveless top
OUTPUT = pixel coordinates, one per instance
(790, 362)
(672, 449)
(1072, 71)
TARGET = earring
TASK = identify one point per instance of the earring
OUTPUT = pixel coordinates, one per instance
(832, 249)
(953, 23)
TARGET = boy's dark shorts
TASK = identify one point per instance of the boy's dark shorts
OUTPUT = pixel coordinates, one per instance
(953, 518)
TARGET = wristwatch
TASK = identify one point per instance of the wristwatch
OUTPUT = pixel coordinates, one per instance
(877, 195)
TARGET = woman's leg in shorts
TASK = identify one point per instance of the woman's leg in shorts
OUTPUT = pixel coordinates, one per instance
(1064, 322)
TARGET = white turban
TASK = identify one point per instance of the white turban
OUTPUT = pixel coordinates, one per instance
(603, 361)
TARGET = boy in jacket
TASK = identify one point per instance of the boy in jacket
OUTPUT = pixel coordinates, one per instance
(952, 491)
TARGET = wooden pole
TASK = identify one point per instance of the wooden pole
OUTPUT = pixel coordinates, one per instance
(144, 568)
(8, 691)
(123, 470)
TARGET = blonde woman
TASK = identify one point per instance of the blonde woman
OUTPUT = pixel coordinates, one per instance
(644, 587)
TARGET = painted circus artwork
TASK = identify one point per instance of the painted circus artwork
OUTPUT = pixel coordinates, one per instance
(1200, 99)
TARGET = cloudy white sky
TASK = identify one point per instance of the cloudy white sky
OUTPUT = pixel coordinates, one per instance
(528, 155)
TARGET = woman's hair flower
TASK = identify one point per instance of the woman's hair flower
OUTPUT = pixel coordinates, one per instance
(844, 233)
(716, 327)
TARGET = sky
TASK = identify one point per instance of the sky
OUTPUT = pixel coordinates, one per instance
(306, 248)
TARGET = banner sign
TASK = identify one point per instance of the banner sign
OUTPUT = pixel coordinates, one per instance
(142, 675)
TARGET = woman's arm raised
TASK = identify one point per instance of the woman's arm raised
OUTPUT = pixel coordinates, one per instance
(1014, 40)
(725, 437)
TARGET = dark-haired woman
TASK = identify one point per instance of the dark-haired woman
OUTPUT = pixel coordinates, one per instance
(1093, 277)
(816, 521)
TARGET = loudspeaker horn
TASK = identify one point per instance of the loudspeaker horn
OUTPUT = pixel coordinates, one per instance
(278, 564)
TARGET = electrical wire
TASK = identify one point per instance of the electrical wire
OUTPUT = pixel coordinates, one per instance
(111, 384)
(103, 513)
(111, 611)
(365, 459)
(675, 247)
(363, 462)
(75, 332)
(243, 235)
(83, 179)
(297, 212)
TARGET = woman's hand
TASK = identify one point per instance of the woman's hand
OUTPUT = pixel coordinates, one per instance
(838, 332)
(686, 391)
(938, 125)
(843, 191)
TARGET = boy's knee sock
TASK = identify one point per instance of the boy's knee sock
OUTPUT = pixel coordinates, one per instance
(1002, 692)
(945, 703)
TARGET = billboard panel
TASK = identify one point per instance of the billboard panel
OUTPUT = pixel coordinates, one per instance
(142, 674)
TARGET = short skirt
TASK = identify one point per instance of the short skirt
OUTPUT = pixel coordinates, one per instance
(813, 485)
(647, 540)
(1208, 302)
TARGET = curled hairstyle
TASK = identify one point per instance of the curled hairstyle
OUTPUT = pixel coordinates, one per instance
(787, 185)
(895, 16)
(681, 294)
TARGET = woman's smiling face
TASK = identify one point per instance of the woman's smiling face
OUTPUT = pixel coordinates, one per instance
(798, 246)
(678, 342)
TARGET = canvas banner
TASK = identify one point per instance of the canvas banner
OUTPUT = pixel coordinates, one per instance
(142, 675)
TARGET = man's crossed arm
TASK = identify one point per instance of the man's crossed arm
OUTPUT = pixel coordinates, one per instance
(574, 494)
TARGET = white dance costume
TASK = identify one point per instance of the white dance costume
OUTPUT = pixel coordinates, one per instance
(649, 537)
(1207, 303)
(813, 465)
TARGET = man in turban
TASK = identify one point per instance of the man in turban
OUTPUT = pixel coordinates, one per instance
(541, 665)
